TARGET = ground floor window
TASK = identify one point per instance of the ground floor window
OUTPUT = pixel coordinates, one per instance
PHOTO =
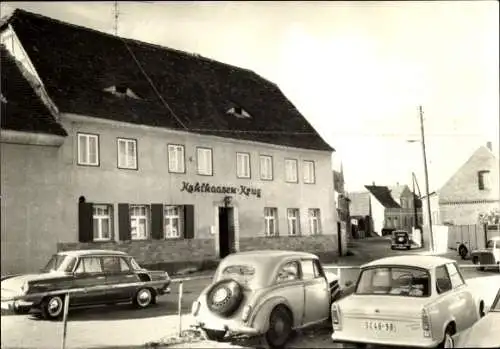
(173, 221)
(102, 217)
(139, 222)
(270, 219)
(314, 221)
(293, 221)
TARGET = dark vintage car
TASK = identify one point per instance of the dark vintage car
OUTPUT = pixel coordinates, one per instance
(401, 239)
(81, 269)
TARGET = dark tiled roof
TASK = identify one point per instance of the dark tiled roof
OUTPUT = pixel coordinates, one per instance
(383, 195)
(77, 63)
(22, 109)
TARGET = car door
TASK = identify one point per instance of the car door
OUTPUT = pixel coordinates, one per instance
(88, 273)
(448, 297)
(317, 293)
(289, 285)
(467, 312)
(118, 272)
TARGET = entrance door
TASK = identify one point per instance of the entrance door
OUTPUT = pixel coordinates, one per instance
(339, 237)
(226, 231)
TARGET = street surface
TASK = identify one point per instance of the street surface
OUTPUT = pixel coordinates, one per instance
(124, 326)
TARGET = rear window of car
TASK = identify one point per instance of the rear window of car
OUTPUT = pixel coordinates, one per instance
(244, 274)
(394, 281)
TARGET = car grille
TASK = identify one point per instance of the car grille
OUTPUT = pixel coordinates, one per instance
(486, 258)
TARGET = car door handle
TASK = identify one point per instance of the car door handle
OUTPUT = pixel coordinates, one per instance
(100, 277)
(130, 276)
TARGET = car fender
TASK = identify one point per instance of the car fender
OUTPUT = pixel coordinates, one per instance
(262, 312)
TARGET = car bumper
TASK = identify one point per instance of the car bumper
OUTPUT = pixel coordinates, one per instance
(230, 327)
(339, 337)
(10, 305)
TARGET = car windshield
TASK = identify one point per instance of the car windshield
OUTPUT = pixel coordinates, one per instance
(491, 244)
(394, 281)
(496, 304)
(60, 262)
(244, 274)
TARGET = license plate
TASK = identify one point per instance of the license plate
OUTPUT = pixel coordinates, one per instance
(401, 239)
(382, 326)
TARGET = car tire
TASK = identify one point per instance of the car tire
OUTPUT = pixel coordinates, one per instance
(52, 307)
(448, 338)
(462, 251)
(143, 298)
(280, 327)
(232, 296)
(214, 335)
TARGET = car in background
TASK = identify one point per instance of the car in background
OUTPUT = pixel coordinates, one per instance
(485, 333)
(82, 269)
(488, 257)
(401, 239)
(417, 301)
(268, 293)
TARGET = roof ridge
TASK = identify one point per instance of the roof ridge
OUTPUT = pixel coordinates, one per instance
(128, 40)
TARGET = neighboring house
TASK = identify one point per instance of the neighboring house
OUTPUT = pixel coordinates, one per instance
(167, 155)
(383, 209)
(472, 190)
(408, 216)
(435, 215)
(342, 202)
(360, 214)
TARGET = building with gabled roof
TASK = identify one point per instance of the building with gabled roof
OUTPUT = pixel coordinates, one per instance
(163, 154)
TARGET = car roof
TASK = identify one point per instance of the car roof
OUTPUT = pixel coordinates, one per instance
(267, 255)
(79, 253)
(420, 261)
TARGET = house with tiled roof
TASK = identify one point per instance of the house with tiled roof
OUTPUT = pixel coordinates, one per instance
(164, 154)
(382, 209)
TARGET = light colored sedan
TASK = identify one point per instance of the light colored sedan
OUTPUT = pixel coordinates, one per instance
(267, 293)
(486, 332)
(417, 301)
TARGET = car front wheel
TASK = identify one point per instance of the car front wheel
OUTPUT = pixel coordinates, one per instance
(214, 335)
(144, 298)
(280, 327)
(52, 307)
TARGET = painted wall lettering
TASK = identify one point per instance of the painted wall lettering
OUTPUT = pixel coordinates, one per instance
(220, 189)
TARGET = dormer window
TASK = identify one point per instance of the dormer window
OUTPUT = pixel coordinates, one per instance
(122, 91)
(239, 112)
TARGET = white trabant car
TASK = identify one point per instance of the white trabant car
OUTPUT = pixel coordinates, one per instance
(486, 332)
(267, 293)
(413, 300)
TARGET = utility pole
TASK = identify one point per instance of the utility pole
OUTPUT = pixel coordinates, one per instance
(431, 235)
(115, 27)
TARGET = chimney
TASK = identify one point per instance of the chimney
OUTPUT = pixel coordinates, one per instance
(488, 145)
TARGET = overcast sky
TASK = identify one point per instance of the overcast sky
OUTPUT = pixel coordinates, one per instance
(356, 70)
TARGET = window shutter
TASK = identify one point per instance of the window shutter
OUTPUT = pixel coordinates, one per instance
(157, 221)
(188, 221)
(124, 222)
(85, 222)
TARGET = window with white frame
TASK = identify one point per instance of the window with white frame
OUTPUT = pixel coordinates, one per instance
(308, 169)
(139, 222)
(314, 221)
(88, 149)
(102, 217)
(291, 170)
(176, 158)
(173, 221)
(127, 153)
(271, 221)
(293, 221)
(266, 167)
(243, 165)
(204, 161)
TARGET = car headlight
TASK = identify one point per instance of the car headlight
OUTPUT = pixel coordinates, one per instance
(246, 313)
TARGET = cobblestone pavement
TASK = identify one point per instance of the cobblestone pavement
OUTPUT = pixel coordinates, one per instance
(122, 326)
